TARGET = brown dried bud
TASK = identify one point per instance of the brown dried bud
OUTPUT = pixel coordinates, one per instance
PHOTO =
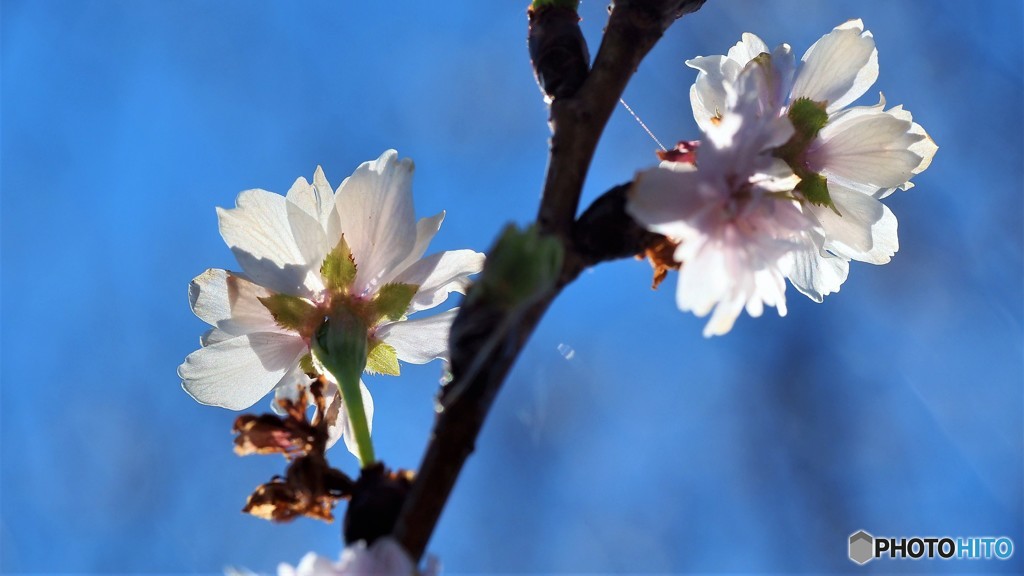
(661, 256)
(291, 435)
(377, 498)
(310, 488)
(558, 50)
(271, 434)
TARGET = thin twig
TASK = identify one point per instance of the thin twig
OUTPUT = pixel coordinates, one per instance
(576, 124)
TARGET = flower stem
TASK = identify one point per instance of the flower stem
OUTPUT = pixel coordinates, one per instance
(340, 345)
(353, 398)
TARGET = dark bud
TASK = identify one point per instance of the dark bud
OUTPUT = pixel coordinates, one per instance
(558, 51)
(377, 498)
(605, 231)
(685, 152)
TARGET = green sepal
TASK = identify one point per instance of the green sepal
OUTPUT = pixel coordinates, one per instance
(814, 187)
(808, 117)
(307, 367)
(339, 268)
(290, 312)
(393, 300)
(382, 359)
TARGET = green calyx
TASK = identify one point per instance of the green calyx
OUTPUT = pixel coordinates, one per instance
(390, 303)
(339, 273)
(340, 345)
(808, 118)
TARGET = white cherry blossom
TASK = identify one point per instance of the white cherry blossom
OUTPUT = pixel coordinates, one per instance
(732, 216)
(302, 255)
(849, 158)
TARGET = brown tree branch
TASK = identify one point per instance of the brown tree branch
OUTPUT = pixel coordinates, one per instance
(577, 122)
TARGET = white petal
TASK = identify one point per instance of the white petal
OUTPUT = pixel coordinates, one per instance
(816, 275)
(312, 242)
(236, 373)
(865, 231)
(749, 47)
(839, 67)
(421, 340)
(426, 229)
(325, 196)
(709, 95)
(303, 195)
(376, 214)
(214, 335)
(867, 151)
(440, 274)
(229, 302)
(260, 233)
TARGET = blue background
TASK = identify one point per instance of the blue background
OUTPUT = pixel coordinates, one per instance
(895, 406)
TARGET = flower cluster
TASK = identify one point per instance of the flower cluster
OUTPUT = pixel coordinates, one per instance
(319, 253)
(788, 180)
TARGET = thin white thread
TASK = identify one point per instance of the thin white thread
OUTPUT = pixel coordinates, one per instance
(642, 125)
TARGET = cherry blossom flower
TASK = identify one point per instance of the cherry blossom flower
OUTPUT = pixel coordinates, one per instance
(847, 158)
(732, 216)
(310, 253)
(384, 558)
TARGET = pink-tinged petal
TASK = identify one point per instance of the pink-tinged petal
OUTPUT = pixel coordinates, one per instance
(236, 373)
(868, 150)
(664, 199)
(230, 303)
(839, 67)
(377, 218)
(817, 275)
(421, 340)
(426, 229)
(260, 232)
(866, 231)
(440, 274)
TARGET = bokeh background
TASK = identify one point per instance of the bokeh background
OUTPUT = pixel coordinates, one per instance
(623, 440)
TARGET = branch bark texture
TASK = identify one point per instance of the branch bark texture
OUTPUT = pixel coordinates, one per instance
(489, 335)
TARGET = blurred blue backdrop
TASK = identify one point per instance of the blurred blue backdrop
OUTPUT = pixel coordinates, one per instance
(623, 441)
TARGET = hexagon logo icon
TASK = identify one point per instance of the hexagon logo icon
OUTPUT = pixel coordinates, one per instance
(861, 545)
